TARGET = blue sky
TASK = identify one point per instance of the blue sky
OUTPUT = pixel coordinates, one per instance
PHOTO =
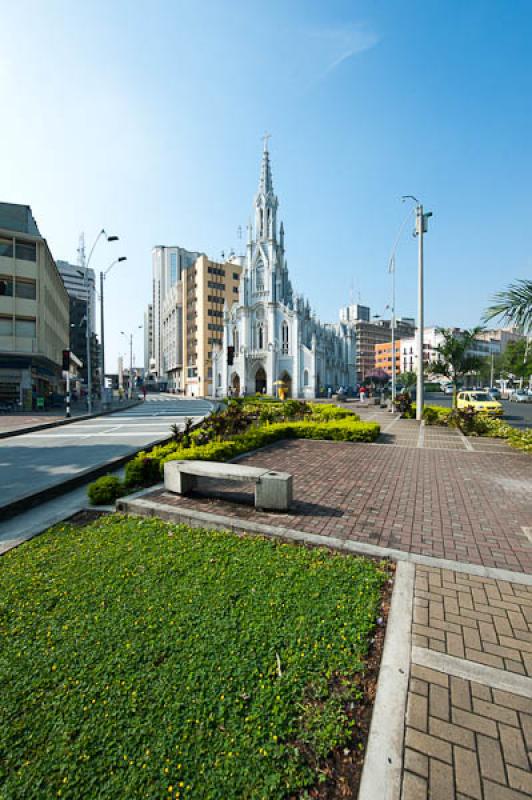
(146, 118)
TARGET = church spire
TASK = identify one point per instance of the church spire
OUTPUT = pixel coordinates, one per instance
(265, 200)
(265, 183)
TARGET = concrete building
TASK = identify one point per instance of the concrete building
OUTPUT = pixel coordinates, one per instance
(149, 361)
(501, 335)
(34, 311)
(168, 265)
(80, 282)
(369, 333)
(432, 339)
(208, 287)
(269, 332)
(383, 356)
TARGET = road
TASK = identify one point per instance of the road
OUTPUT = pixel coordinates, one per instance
(35, 461)
(519, 415)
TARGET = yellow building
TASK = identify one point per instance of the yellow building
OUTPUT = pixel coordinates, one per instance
(34, 311)
(207, 287)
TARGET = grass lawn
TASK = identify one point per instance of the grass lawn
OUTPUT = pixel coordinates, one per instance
(140, 659)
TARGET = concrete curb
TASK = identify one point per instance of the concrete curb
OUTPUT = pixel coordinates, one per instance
(60, 422)
(382, 771)
(472, 671)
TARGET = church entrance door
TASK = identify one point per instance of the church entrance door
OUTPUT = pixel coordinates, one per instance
(235, 384)
(260, 381)
(287, 380)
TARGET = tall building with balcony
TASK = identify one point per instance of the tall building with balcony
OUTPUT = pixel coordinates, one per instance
(168, 266)
(209, 287)
(34, 311)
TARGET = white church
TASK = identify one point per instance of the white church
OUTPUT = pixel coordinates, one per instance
(270, 334)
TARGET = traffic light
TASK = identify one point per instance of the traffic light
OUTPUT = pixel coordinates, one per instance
(66, 360)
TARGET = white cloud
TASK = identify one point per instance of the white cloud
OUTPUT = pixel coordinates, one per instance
(340, 43)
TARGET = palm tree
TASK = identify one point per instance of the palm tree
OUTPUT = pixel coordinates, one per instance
(454, 355)
(513, 305)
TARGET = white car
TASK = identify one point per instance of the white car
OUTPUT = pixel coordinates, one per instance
(520, 396)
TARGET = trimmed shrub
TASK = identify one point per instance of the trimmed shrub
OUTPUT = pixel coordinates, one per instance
(327, 411)
(105, 490)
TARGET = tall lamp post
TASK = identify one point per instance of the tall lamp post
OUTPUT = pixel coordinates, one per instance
(422, 223)
(103, 275)
(130, 337)
(85, 274)
(391, 271)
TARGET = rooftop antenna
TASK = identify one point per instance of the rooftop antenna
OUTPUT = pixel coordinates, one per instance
(81, 250)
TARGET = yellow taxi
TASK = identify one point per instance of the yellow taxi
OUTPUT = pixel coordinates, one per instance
(479, 401)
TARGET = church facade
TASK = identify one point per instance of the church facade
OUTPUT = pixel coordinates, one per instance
(270, 334)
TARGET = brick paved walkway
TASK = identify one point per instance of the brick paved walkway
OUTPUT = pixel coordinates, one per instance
(468, 738)
(468, 507)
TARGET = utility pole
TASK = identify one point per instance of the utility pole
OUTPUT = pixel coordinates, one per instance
(88, 343)
(421, 228)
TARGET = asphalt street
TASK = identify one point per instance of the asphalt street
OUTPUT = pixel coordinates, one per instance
(519, 415)
(35, 461)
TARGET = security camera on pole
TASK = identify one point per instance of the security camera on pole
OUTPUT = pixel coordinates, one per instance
(421, 228)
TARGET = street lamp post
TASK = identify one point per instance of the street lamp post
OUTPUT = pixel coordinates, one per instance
(422, 219)
(130, 337)
(103, 275)
(87, 330)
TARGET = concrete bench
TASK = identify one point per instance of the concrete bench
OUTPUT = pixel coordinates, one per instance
(273, 490)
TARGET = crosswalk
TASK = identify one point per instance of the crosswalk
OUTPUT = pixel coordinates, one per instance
(166, 407)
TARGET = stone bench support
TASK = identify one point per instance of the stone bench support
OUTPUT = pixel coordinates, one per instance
(273, 490)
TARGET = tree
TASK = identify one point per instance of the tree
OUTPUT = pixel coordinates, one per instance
(454, 359)
(514, 306)
(517, 360)
(408, 379)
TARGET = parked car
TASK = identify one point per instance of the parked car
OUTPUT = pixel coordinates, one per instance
(479, 401)
(448, 389)
(494, 393)
(520, 396)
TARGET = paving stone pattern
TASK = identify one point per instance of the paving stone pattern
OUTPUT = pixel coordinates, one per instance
(479, 619)
(465, 740)
(461, 506)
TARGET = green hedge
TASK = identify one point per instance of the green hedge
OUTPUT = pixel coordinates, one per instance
(146, 468)
(105, 490)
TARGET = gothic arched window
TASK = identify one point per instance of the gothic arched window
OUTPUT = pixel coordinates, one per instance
(305, 378)
(259, 276)
(260, 336)
(236, 342)
(284, 337)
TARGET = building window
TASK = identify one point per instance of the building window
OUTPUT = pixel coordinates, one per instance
(26, 289)
(6, 326)
(284, 337)
(173, 269)
(214, 285)
(235, 339)
(25, 327)
(236, 276)
(260, 336)
(6, 248)
(305, 378)
(26, 251)
(259, 277)
(6, 286)
(235, 289)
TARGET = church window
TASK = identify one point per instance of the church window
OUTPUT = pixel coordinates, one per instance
(260, 336)
(305, 378)
(236, 342)
(259, 276)
(261, 226)
(284, 338)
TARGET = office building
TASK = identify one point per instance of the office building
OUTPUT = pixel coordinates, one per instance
(34, 312)
(168, 265)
